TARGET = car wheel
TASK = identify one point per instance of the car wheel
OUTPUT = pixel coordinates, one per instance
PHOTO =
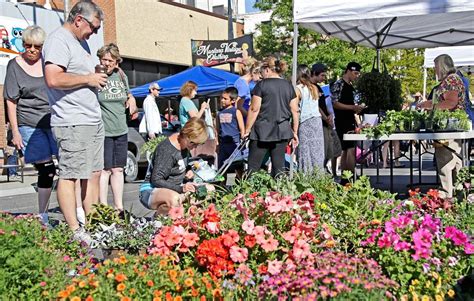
(131, 169)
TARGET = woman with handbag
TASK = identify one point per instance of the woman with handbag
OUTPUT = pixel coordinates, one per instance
(114, 99)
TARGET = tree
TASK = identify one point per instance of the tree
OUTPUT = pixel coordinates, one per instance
(277, 39)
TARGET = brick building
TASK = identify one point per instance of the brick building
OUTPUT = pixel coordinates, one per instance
(154, 37)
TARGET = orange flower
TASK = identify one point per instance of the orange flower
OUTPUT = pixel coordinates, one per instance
(63, 294)
(82, 284)
(216, 293)
(133, 291)
(121, 287)
(157, 293)
(76, 298)
(125, 299)
(94, 283)
(85, 271)
(89, 298)
(120, 278)
(173, 273)
(123, 260)
(188, 282)
(141, 274)
(194, 292)
(98, 265)
(203, 298)
(168, 297)
(71, 288)
(178, 298)
(330, 243)
(189, 271)
(156, 299)
(150, 283)
(163, 263)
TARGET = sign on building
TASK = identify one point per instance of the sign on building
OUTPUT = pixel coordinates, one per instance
(217, 52)
(11, 43)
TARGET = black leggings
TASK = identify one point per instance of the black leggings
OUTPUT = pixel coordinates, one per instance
(258, 150)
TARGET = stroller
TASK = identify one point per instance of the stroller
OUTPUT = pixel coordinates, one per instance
(206, 174)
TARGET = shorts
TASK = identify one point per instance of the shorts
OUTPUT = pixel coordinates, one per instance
(145, 195)
(345, 145)
(115, 151)
(225, 150)
(39, 144)
(81, 150)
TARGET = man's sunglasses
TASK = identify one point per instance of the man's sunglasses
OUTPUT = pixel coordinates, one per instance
(92, 27)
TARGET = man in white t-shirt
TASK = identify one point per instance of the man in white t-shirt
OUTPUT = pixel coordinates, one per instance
(75, 112)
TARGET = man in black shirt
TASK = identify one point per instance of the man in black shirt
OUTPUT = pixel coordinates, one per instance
(343, 98)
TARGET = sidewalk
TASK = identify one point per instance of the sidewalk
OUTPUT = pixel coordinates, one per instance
(15, 187)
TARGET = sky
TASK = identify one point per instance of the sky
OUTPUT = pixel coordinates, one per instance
(249, 6)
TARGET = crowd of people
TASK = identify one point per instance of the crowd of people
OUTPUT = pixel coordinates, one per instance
(60, 104)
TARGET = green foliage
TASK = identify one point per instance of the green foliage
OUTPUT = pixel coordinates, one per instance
(29, 261)
(379, 91)
(102, 214)
(151, 145)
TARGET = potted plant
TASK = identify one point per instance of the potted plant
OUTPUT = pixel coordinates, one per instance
(379, 91)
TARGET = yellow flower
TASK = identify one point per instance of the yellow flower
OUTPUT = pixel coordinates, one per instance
(415, 282)
(425, 298)
(324, 206)
(123, 260)
(173, 273)
(330, 243)
(404, 298)
(76, 298)
(415, 296)
(163, 263)
(188, 282)
(107, 262)
(121, 287)
(435, 275)
(451, 293)
(82, 284)
(438, 298)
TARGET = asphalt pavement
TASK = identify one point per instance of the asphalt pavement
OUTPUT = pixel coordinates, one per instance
(17, 197)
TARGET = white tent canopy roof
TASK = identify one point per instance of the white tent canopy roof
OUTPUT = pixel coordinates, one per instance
(461, 55)
(397, 23)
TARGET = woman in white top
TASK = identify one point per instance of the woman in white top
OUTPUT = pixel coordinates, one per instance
(151, 121)
(310, 151)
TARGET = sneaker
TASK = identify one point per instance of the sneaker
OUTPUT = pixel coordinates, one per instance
(82, 236)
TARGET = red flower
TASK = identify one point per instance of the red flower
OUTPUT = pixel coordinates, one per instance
(214, 255)
(262, 269)
(254, 195)
(250, 241)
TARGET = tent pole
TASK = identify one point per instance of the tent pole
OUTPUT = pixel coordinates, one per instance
(377, 49)
(425, 75)
(295, 53)
(293, 78)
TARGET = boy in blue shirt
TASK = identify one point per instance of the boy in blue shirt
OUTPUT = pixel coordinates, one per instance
(230, 125)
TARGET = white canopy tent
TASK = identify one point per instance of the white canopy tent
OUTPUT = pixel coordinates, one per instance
(389, 23)
(463, 56)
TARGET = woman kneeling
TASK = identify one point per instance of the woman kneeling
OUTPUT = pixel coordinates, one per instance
(164, 185)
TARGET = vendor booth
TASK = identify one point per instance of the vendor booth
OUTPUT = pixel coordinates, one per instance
(209, 80)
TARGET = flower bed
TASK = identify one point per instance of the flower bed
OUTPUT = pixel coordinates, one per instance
(306, 238)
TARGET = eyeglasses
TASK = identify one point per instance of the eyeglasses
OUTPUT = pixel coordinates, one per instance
(192, 143)
(91, 26)
(27, 46)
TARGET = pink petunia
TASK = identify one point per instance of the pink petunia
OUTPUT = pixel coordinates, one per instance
(248, 226)
(176, 213)
(301, 249)
(238, 254)
(292, 235)
(212, 227)
(190, 240)
(274, 266)
(401, 246)
(469, 248)
(269, 244)
(244, 273)
(384, 241)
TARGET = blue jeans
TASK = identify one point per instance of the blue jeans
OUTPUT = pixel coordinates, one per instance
(39, 144)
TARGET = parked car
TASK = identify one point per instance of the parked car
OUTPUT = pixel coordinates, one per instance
(135, 160)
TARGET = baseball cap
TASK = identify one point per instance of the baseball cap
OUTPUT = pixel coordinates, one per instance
(353, 66)
(319, 68)
(155, 86)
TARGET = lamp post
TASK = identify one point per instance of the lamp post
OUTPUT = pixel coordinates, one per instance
(230, 27)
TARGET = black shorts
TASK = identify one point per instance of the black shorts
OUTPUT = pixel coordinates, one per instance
(345, 145)
(115, 151)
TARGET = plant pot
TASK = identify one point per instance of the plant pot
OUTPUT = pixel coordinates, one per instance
(371, 119)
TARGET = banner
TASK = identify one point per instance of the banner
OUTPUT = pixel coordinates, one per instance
(211, 53)
(11, 43)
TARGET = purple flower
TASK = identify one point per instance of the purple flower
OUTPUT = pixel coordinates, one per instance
(426, 267)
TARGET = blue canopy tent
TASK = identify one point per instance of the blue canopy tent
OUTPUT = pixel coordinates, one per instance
(209, 80)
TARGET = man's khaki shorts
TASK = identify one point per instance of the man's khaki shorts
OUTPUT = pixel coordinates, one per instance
(81, 150)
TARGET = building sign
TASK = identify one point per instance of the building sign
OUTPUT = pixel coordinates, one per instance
(211, 53)
(11, 43)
